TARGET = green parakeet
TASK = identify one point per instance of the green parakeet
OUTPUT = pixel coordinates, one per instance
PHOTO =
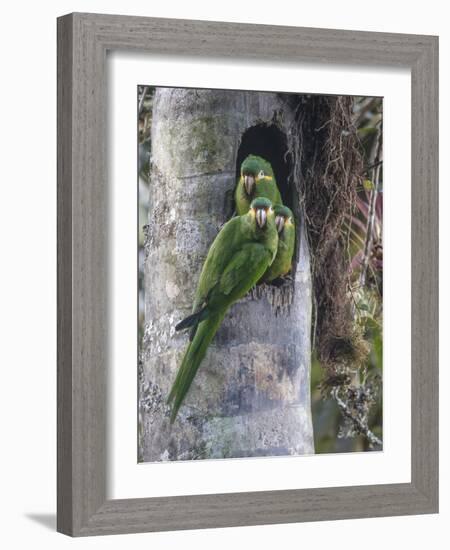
(284, 220)
(239, 256)
(256, 180)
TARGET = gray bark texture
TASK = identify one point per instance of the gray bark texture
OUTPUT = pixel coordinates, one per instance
(251, 395)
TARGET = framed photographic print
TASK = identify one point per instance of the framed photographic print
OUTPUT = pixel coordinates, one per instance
(247, 274)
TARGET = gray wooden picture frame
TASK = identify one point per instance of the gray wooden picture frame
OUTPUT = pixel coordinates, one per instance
(83, 41)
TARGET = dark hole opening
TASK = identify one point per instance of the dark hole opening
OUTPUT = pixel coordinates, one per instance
(269, 142)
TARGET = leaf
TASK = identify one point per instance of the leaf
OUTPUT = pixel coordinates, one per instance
(362, 206)
(368, 131)
(356, 260)
(358, 223)
(379, 206)
(368, 185)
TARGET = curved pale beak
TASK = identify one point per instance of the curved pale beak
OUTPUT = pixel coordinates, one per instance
(261, 217)
(279, 222)
(249, 183)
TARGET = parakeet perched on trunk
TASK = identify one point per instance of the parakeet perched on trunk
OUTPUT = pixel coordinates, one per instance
(284, 220)
(239, 256)
(256, 180)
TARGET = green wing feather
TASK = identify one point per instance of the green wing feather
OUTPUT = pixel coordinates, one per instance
(237, 278)
(194, 355)
(242, 272)
(219, 255)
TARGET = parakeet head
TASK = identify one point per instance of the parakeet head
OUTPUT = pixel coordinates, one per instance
(253, 170)
(261, 208)
(283, 217)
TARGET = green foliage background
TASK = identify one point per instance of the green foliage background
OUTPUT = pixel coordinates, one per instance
(330, 435)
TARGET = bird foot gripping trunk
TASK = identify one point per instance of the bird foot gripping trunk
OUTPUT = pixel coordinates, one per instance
(251, 395)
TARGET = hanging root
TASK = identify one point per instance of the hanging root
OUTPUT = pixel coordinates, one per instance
(326, 171)
(327, 166)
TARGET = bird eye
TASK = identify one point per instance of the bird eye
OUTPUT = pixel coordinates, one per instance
(261, 174)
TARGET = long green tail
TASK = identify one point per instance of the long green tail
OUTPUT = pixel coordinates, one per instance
(193, 356)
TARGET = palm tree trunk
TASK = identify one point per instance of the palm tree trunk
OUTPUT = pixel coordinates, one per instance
(251, 396)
